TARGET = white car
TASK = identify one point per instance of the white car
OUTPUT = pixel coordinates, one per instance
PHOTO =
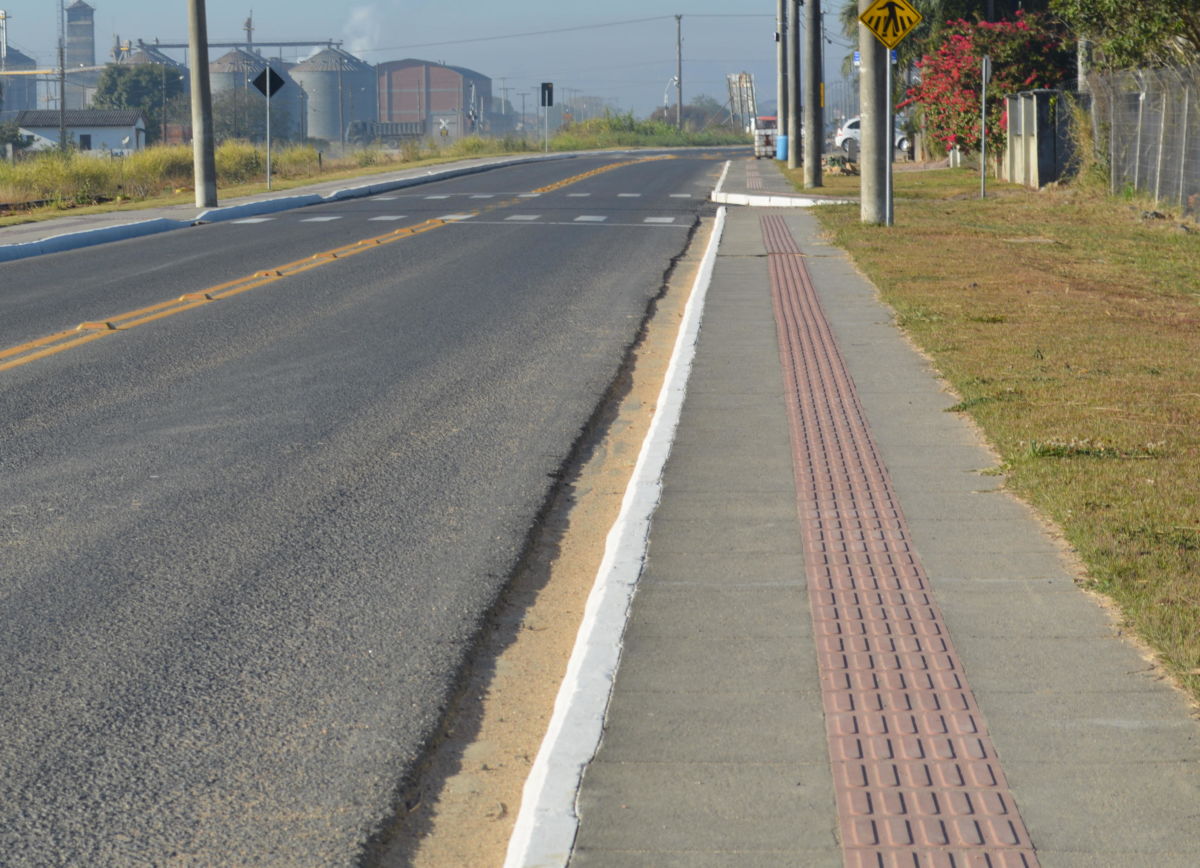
(850, 130)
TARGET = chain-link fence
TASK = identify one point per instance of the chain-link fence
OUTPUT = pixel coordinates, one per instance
(1149, 121)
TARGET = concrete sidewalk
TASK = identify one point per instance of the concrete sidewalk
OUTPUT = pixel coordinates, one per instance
(1037, 736)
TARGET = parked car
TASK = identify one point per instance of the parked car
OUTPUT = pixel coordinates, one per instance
(850, 130)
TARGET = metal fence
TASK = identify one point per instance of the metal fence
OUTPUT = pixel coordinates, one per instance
(1149, 120)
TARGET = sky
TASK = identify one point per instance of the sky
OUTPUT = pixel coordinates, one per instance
(620, 50)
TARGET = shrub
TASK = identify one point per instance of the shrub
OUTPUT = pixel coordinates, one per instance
(297, 161)
(238, 162)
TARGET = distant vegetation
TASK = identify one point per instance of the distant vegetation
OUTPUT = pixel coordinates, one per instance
(70, 179)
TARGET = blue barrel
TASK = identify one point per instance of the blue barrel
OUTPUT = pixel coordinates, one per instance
(781, 147)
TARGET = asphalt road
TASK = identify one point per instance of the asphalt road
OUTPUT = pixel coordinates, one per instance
(244, 548)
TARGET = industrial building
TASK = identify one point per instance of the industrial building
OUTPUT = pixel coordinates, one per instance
(18, 93)
(449, 101)
(81, 53)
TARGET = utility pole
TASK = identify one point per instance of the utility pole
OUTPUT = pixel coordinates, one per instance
(679, 71)
(875, 137)
(793, 127)
(62, 79)
(781, 60)
(814, 97)
(203, 157)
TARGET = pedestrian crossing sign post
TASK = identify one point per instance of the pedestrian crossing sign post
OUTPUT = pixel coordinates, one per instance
(891, 20)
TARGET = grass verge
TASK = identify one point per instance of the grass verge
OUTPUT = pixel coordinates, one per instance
(1067, 321)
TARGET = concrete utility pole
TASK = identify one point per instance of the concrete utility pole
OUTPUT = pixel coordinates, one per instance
(874, 142)
(203, 156)
(679, 71)
(814, 95)
(781, 59)
(793, 127)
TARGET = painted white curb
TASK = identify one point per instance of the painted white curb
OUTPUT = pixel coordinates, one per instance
(774, 201)
(547, 824)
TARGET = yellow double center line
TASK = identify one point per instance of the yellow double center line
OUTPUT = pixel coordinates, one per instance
(87, 332)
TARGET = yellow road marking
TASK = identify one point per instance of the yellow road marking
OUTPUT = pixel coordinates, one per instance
(40, 348)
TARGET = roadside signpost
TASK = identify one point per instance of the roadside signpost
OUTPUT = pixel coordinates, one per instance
(890, 21)
(268, 83)
(547, 103)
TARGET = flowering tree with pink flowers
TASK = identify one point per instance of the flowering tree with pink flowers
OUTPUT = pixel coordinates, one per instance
(1026, 53)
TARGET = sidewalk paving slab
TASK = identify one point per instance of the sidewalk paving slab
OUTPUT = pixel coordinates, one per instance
(715, 750)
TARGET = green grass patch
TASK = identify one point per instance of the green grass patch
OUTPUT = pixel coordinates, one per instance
(1089, 392)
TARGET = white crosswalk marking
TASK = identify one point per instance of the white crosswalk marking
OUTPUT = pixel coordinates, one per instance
(524, 217)
(253, 220)
(590, 218)
(328, 219)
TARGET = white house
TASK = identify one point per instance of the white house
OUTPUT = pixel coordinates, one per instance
(100, 131)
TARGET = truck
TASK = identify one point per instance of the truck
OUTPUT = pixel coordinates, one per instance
(765, 130)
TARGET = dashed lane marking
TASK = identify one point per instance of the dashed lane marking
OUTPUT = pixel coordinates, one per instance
(524, 217)
(385, 217)
(590, 218)
(659, 220)
(327, 219)
(40, 348)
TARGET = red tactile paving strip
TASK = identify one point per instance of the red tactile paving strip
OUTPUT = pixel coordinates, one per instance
(754, 180)
(915, 774)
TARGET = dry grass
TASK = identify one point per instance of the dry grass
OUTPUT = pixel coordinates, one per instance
(1070, 325)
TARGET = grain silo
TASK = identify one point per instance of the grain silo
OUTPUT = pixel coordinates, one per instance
(339, 89)
(18, 93)
(234, 70)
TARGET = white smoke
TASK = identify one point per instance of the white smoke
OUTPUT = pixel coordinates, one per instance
(363, 29)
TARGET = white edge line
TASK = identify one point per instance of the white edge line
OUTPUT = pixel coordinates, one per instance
(721, 182)
(546, 826)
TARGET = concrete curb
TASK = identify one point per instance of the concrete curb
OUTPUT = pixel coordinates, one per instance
(547, 823)
(88, 238)
(91, 237)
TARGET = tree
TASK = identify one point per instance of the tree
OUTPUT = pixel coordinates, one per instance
(10, 134)
(701, 113)
(1150, 32)
(148, 87)
(1026, 53)
(239, 113)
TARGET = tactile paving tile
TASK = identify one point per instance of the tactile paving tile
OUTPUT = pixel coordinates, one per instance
(916, 778)
(754, 180)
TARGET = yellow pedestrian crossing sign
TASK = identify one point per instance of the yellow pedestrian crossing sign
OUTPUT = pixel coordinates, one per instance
(891, 20)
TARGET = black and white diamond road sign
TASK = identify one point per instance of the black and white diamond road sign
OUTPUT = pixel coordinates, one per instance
(268, 82)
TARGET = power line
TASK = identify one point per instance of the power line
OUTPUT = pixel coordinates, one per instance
(551, 32)
(521, 35)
